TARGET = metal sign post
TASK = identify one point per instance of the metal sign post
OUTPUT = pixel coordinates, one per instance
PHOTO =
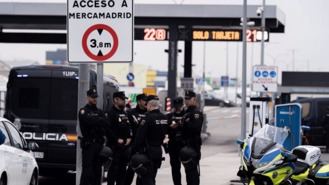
(82, 89)
(244, 74)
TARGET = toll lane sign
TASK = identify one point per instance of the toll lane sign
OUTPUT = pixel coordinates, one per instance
(265, 78)
(100, 31)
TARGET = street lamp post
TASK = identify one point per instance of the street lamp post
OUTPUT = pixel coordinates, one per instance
(244, 74)
(227, 67)
(263, 34)
(204, 67)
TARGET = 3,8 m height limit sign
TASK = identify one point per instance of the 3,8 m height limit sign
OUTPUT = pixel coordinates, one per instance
(100, 31)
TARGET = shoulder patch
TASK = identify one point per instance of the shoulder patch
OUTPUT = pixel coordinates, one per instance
(196, 116)
(82, 111)
(142, 122)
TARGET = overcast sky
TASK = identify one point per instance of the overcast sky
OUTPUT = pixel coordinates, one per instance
(307, 28)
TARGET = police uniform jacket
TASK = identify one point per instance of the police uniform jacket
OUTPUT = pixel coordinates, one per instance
(119, 126)
(136, 115)
(151, 133)
(175, 134)
(192, 125)
(92, 124)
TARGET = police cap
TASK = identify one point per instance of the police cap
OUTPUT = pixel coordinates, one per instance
(189, 94)
(120, 95)
(92, 92)
(141, 97)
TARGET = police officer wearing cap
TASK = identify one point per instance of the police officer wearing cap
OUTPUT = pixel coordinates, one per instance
(119, 139)
(135, 117)
(175, 131)
(191, 153)
(92, 124)
(151, 135)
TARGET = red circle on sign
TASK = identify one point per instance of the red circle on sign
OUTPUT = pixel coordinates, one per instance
(85, 40)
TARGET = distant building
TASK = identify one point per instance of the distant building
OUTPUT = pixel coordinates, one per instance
(57, 57)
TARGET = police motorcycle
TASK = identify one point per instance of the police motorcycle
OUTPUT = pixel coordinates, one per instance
(265, 161)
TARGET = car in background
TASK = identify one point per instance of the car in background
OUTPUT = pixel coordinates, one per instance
(17, 163)
(313, 116)
(211, 100)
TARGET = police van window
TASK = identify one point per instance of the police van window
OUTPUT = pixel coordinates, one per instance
(30, 97)
(17, 140)
(4, 131)
(306, 109)
(63, 99)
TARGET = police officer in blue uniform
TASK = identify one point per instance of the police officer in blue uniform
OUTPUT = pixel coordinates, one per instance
(150, 137)
(175, 131)
(92, 124)
(135, 117)
(119, 139)
(192, 125)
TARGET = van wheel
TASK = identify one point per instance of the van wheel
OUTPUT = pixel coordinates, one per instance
(34, 179)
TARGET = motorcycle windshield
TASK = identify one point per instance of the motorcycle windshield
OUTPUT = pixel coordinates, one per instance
(261, 146)
(272, 134)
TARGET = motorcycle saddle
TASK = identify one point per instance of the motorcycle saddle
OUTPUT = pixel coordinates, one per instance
(300, 167)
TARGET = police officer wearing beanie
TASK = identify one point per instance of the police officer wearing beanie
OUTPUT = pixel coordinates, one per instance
(151, 135)
(175, 131)
(119, 139)
(135, 116)
(192, 124)
(92, 124)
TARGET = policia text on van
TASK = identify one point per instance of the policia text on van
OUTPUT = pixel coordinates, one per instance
(44, 99)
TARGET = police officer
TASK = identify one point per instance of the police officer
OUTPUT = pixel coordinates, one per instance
(135, 117)
(92, 125)
(138, 113)
(119, 139)
(151, 135)
(192, 124)
(175, 131)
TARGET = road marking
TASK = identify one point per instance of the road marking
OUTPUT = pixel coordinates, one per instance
(232, 116)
